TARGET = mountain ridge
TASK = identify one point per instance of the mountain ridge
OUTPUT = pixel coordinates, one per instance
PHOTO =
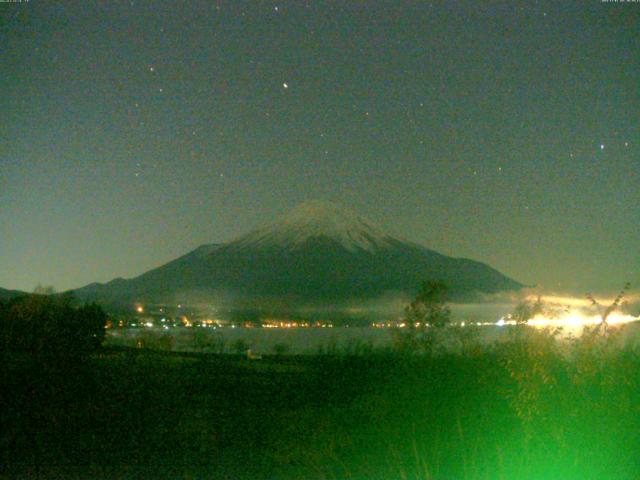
(9, 294)
(320, 253)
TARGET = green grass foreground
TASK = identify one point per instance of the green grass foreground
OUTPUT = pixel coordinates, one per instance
(518, 410)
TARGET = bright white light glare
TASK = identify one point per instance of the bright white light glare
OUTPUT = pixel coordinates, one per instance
(571, 314)
(575, 320)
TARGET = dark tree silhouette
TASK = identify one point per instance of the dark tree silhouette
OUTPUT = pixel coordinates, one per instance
(526, 310)
(44, 326)
(429, 307)
(428, 310)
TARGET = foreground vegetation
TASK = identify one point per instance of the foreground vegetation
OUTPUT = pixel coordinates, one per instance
(438, 405)
(51, 328)
(520, 409)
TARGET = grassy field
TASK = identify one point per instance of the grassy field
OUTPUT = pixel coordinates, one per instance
(521, 410)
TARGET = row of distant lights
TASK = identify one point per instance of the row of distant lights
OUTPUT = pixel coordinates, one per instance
(499, 323)
(574, 320)
(166, 327)
(214, 327)
(535, 322)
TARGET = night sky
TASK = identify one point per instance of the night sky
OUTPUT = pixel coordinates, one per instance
(507, 132)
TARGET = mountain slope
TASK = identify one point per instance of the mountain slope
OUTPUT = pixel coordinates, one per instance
(317, 254)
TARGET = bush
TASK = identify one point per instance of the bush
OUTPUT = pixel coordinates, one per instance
(425, 318)
(44, 325)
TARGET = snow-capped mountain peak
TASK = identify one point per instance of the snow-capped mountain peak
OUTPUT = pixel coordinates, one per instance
(319, 219)
(318, 253)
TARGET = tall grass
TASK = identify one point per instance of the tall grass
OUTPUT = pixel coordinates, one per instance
(526, 407)
(530, 407)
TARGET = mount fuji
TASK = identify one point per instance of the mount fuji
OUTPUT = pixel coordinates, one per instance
(318, 254)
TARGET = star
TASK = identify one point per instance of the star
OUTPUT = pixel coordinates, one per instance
(602, 146)
(151, 68)
(626, 144)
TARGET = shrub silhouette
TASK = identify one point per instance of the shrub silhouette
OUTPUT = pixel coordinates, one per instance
(425, 314)
(43, 325)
